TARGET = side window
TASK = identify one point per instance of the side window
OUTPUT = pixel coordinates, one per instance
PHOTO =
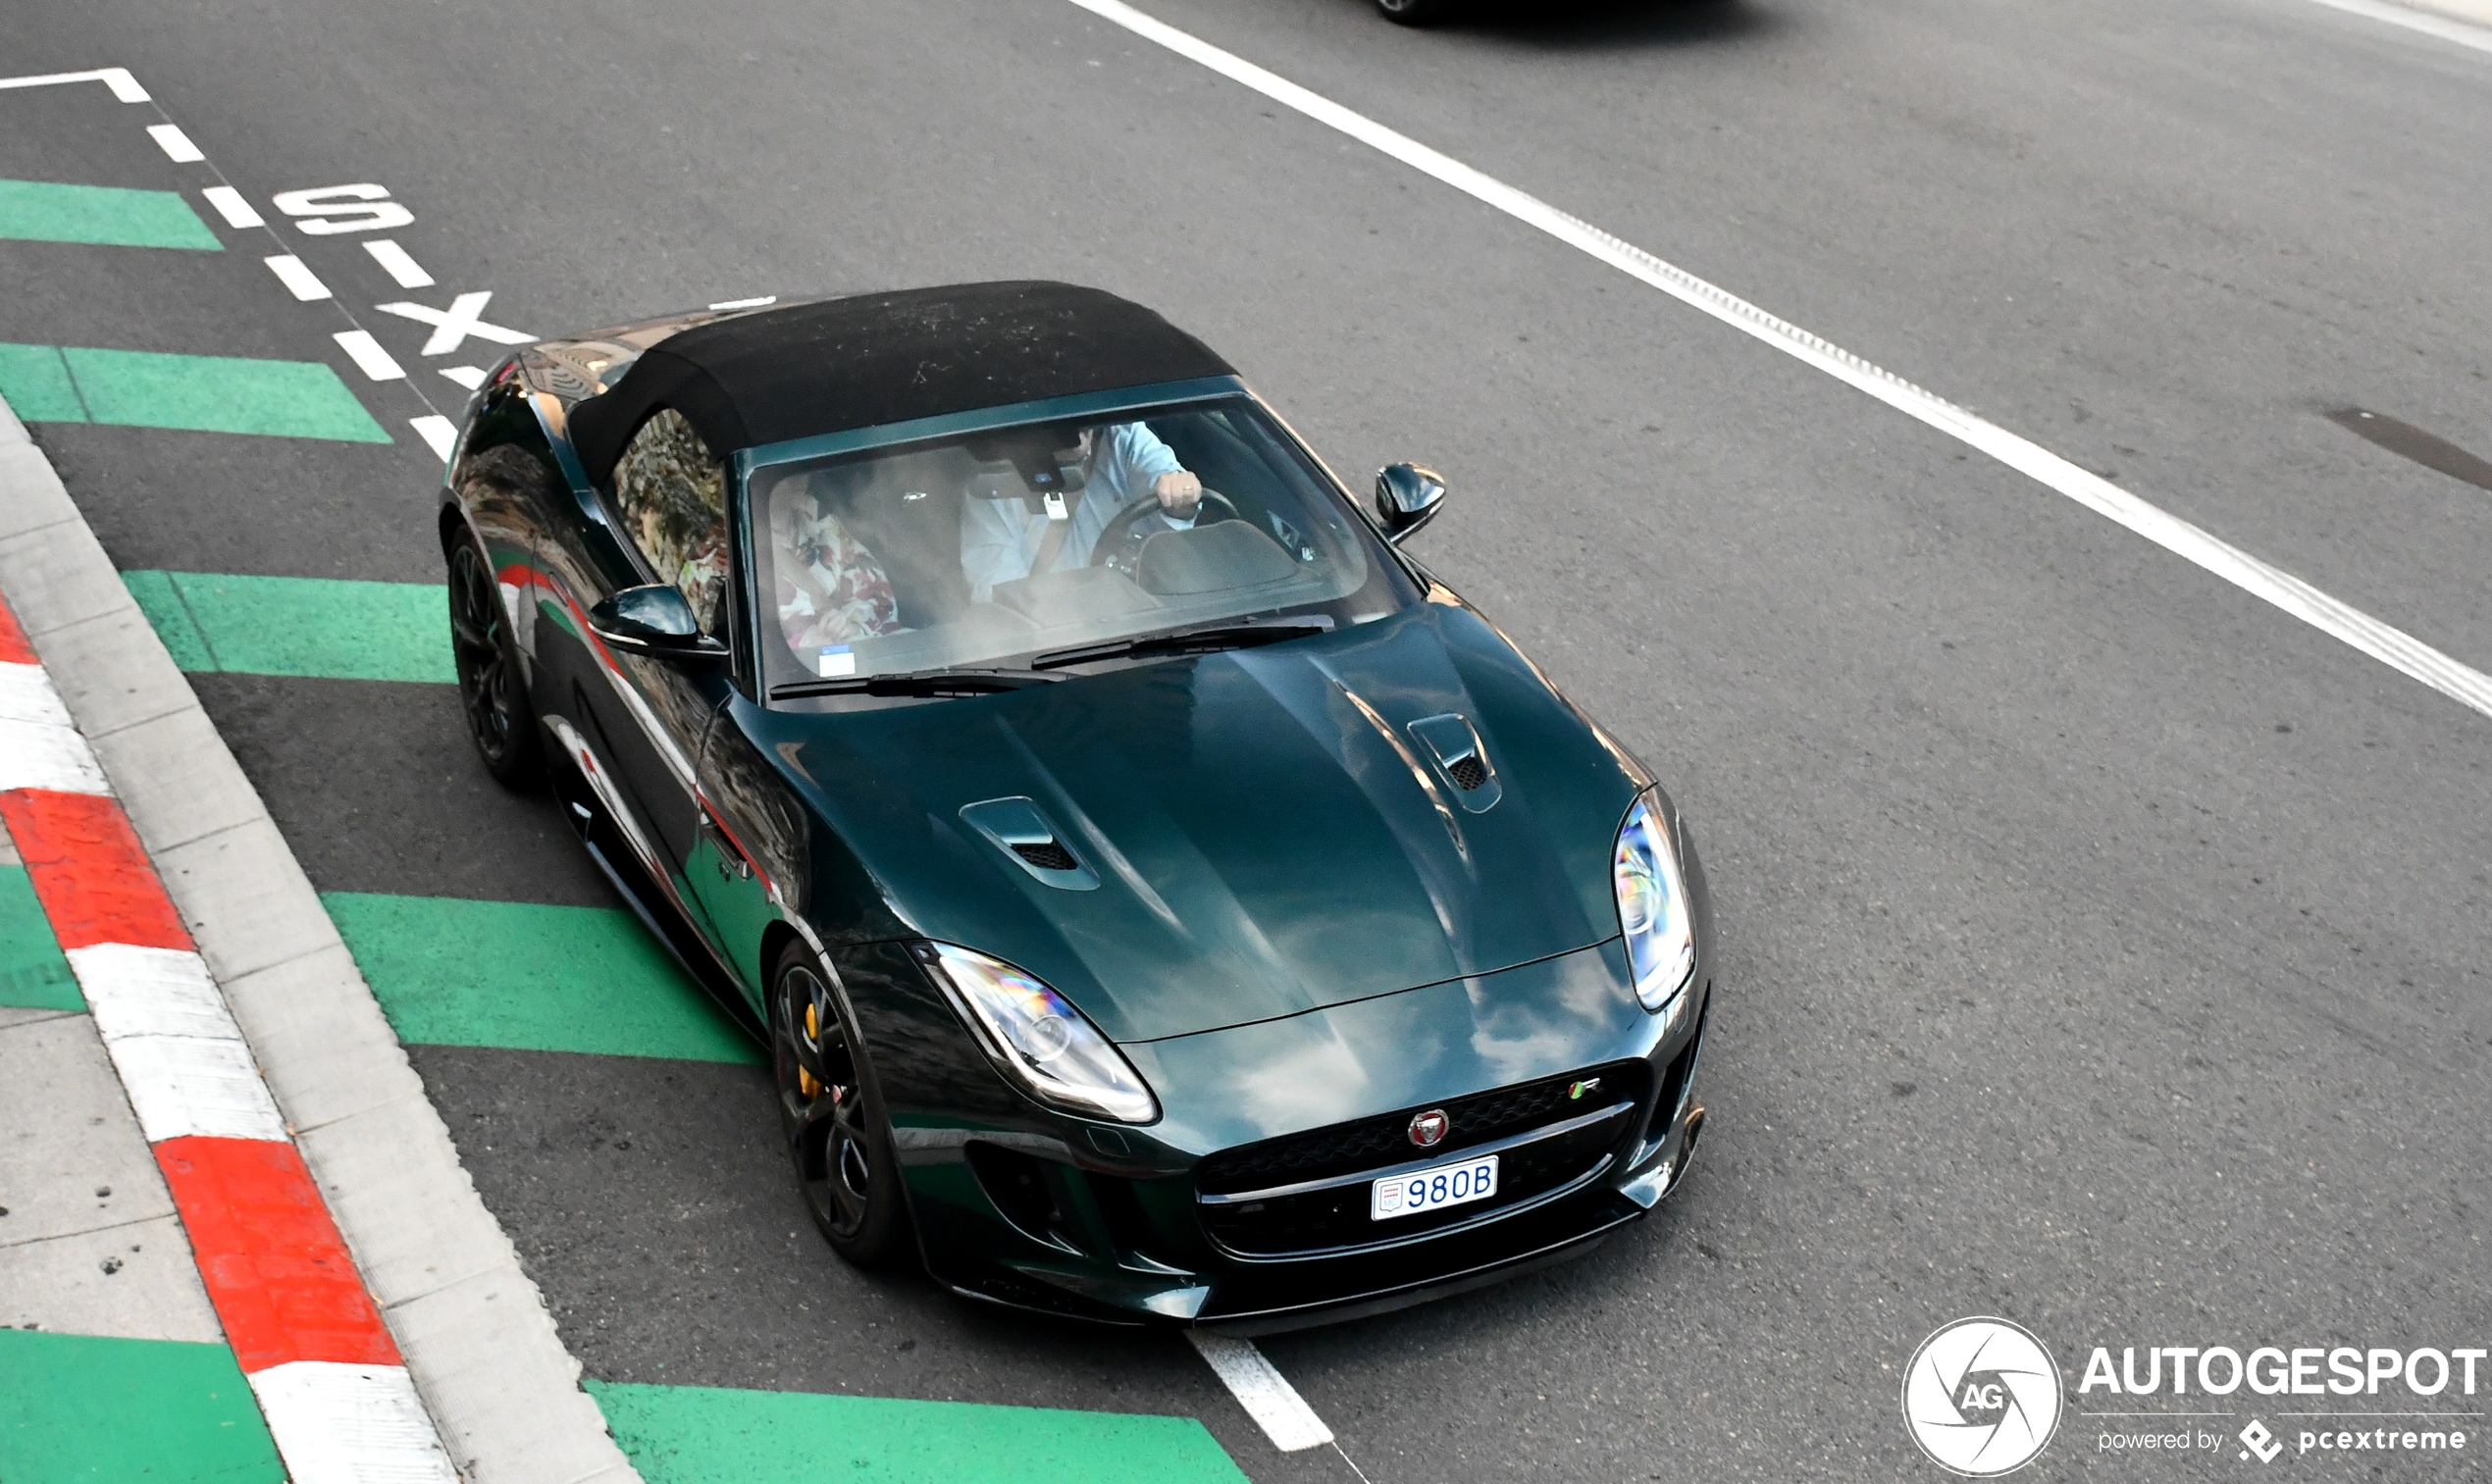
(672, 495)
(506, 466)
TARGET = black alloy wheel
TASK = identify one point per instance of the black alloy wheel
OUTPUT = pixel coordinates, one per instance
(832, 1117)
(500, 719)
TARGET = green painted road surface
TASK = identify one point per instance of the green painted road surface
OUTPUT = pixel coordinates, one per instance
(78, 1409)
(32, 973)
(530, 978)
(107, 216)
(702, 1435)
(321, 628)
(202, 393)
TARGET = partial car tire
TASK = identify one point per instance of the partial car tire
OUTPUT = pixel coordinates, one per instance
(832, 1115)
(492, 690)
(1414, 12)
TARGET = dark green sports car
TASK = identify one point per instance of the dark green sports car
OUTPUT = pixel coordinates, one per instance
(1160, 895)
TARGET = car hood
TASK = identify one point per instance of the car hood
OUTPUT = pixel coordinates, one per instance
(1266, 833)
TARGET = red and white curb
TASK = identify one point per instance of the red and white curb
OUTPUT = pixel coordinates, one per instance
(328, 1379)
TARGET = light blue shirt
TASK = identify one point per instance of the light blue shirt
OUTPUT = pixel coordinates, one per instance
(1000, 538)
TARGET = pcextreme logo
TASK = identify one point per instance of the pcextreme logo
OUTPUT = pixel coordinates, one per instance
(1982, 1397)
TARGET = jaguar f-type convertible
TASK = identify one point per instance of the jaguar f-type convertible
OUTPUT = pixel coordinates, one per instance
(1160, 895)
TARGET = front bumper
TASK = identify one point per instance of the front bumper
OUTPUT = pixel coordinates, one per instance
(1018, 1205)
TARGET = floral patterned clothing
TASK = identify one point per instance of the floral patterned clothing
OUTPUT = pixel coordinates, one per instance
(831, 590)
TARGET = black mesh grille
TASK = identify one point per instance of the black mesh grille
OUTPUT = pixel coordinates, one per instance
(1468, 771)
(1048, 856)
(1369, 1142)
(1337, 1218)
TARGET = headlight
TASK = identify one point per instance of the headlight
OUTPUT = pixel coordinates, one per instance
(1039, 1041)
(1652, 907)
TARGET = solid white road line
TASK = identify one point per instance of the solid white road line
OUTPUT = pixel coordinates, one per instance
(175, 143)
(2389, 645)
(300, 281)
(394, 261)
(1265, 1393)
(439, 434)
(2446, 28)
(239, 213)
(368, 356)
(125, 86)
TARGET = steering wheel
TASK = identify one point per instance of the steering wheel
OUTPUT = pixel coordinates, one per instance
(1119, 543)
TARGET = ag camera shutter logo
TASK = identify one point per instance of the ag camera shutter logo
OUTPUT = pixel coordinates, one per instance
(1982, 1398)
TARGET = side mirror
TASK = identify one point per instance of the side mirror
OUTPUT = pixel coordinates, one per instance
(654, 621)
(1407, 497)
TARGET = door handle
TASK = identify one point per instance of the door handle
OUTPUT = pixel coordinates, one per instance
(732, 864)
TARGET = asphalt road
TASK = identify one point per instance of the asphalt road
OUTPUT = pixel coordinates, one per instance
(2104, 949)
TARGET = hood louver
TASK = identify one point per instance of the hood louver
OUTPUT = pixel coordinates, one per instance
(1450, 740)
(1047, 855)
(1022, 833)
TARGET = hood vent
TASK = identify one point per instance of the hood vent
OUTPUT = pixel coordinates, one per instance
(1047, 855)
(1021, 832)
(1450, 740)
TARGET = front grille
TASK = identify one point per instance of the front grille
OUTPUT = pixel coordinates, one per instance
(1047, 855)
(1336, 1216)
(1468, 771)
(1369, 1142)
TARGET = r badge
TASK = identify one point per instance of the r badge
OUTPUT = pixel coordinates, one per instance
(1428, 1129)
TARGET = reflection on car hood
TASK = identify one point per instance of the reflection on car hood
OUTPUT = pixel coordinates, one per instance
(1266, 835)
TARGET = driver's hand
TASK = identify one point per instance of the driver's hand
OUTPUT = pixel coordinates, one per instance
(1180, 493)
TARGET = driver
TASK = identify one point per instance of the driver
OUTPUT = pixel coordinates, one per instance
(1121, 463)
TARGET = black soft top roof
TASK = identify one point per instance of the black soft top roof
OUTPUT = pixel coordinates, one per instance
(858, 362)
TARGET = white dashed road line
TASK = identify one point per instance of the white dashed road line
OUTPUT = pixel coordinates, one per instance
(439, 433)
(175, 143)
(394, 262)
(368, 356)
(299, 280)
(2381, 642)
(1265, 1393)
(239, 213)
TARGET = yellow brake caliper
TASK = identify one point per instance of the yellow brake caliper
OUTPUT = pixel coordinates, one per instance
(806, 1082)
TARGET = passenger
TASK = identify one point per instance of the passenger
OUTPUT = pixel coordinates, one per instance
(831, 590)
(1002, 540)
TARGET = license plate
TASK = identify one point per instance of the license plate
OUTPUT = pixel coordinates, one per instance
(1432, 1189)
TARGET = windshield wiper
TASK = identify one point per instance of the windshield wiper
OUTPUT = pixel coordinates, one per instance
(1200, 641)
(915, 683)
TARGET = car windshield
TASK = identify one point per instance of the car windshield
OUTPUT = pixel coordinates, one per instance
(1018, 548)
